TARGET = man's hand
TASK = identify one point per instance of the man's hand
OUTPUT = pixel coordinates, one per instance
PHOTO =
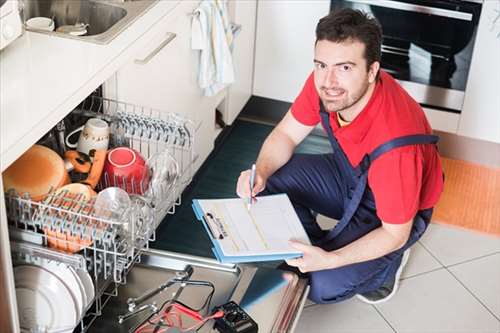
(243, 187)
(313, 259)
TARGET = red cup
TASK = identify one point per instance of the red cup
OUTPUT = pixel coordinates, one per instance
(125, 168)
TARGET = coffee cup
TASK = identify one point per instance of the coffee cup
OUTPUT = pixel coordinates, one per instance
(127, 169)
(94, 136)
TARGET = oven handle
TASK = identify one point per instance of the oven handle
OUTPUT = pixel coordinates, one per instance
(404, 52)
(416, 8)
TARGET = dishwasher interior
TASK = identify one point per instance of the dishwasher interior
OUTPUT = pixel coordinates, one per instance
(82, 261)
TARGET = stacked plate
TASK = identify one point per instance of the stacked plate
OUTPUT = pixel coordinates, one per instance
(52, 296)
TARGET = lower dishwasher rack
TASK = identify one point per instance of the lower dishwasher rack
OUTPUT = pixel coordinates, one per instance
(68, 230)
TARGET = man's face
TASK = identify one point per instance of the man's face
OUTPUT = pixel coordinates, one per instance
(340, 73)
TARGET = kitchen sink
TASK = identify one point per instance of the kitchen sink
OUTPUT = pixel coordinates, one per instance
(103, 20)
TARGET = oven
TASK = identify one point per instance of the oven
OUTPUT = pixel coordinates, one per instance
(427, 45)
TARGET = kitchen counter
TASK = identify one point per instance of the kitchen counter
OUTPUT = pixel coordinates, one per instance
(43, 77)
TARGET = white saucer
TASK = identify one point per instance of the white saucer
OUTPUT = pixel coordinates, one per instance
(87, 284)
(43, 300)
(66, 275)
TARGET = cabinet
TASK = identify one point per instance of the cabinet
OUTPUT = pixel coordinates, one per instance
(480, 116)
(284, 47)
(163, 75)
(167, 80)
(244, 15)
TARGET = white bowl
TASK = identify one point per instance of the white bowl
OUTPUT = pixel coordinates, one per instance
(41, 23)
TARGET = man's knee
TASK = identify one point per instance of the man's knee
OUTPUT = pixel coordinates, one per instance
(326, 287)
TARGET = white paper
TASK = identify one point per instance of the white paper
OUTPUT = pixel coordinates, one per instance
(264, 229)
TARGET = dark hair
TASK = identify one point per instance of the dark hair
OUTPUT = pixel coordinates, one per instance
(347, 23)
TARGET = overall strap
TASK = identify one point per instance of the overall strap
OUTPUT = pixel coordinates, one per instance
(325, 120)
(401, 141)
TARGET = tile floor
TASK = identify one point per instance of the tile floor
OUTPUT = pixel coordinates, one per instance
(450, 284)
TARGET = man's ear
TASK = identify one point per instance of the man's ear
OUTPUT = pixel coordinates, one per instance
(373, 71)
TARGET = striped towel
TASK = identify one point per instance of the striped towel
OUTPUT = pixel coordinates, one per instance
(211, 34)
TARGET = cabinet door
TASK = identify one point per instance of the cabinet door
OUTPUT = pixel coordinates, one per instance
(239, 92)
(284, 48)
(164, 76)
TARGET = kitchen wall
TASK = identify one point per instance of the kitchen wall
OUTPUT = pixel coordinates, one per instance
(283, 59)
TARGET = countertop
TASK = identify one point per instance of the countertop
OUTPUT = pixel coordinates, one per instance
(43, 77)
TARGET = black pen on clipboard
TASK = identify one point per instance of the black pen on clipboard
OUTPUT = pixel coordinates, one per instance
(213, 223)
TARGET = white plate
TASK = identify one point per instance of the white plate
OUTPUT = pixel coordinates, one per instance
(65, 274)
(81, 288)
(43, 300)
(87, 284)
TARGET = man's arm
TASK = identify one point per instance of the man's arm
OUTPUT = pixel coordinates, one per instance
(275, 152)
(377, 243)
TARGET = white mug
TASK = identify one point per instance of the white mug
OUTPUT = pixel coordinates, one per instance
(94, 136)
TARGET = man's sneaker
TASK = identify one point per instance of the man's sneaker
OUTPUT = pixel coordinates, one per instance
(389, 288)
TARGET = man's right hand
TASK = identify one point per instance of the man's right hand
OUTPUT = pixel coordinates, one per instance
(243, 186)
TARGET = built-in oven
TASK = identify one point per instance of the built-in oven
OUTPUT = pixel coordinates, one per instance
(427, 45)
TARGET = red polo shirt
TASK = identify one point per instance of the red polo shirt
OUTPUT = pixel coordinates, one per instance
(404, 180)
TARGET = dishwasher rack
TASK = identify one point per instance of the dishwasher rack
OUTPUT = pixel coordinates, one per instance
(72, 230)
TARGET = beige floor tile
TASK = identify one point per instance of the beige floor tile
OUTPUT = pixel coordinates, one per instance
(482, 278)
(437, 302)
(420, 261)
(452, 245)
(351, 316)
(325, 223)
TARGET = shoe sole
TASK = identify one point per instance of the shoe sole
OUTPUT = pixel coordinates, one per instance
(404, 260)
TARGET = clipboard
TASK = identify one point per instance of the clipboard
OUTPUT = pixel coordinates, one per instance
(227, 224)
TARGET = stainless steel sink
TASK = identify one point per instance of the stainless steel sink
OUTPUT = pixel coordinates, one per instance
(105, 19)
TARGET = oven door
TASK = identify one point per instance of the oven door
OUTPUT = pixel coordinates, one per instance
(427, 45)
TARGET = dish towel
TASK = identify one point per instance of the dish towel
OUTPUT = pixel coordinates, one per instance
(211, 34)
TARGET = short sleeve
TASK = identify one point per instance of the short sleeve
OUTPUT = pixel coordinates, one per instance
(396, 181)
(305, 108)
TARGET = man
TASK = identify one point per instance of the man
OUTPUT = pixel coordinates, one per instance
(382, 179)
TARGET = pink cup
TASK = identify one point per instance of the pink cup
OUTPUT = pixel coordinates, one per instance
(125, 168)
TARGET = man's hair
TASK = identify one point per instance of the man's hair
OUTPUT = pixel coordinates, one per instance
(349, 24)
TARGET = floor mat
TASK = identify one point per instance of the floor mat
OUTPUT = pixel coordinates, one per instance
(471, 197)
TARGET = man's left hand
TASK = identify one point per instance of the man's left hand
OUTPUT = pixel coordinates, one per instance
(313, 258)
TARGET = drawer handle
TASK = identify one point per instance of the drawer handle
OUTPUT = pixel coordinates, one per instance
(150, 56)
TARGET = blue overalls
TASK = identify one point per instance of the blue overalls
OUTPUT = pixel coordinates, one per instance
(327, 184)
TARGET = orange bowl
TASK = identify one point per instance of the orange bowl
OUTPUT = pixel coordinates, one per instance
(37, 172)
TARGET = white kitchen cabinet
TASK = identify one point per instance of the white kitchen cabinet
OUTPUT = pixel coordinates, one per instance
(284, 47)
(163, 75)
(243, 13)
(480, 116)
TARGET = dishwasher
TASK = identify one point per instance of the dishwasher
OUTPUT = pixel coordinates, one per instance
(121, 284)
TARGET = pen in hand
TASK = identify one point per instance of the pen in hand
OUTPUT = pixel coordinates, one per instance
(252, 183)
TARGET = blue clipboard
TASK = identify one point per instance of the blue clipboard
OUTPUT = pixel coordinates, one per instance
(217, 250)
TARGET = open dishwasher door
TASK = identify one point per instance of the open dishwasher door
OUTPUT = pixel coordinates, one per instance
(272, 298)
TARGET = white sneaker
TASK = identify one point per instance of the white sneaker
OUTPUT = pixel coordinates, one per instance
(388, 289)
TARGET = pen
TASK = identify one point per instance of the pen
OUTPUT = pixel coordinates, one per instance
(252, 183)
